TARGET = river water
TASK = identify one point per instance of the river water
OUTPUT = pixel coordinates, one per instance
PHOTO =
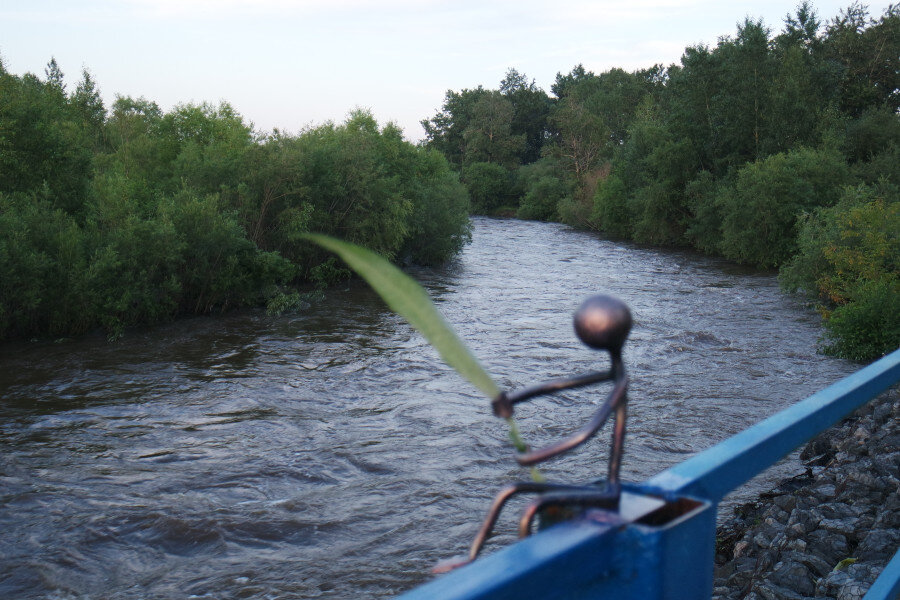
(330, 454)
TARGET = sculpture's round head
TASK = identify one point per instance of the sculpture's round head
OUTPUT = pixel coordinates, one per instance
(603, 322)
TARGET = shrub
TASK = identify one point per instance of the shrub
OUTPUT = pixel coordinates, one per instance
(868, 327)
(611, 213)
(761, 211)
(849, 259)
(439, 224)
(488, 184)
(541, 201)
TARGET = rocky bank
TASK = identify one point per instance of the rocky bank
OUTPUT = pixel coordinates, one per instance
(829, 532)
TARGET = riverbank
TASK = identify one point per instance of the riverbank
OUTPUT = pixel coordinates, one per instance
(829, 532)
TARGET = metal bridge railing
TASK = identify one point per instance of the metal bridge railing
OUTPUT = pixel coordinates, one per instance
(660, 542)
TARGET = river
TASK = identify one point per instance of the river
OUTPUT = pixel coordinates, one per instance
(330, 454)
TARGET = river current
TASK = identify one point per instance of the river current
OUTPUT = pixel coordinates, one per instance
(330, 454)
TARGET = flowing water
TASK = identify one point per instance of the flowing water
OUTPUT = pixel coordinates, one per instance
(330, 454)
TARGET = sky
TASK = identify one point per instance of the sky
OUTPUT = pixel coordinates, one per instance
(291, 64)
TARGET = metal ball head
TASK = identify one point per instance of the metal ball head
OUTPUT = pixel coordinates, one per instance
(603, 322)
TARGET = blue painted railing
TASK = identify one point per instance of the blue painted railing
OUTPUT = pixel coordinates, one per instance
(666, 549)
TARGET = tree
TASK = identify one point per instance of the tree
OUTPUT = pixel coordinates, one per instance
(564, 83)
(847, 260)
(488, 136)
(444, 132)
(867, 53)
(42, 147)
(583, 143)
(89, 106)
(531, 107)
(802, 28)
(761, 214)
(54, 76)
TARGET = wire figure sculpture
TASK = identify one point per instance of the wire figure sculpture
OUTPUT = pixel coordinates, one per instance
(603, 323)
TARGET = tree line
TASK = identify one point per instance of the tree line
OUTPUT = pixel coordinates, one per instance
(779, 151)
(133, 215)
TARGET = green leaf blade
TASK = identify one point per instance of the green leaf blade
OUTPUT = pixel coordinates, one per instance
(407, 298)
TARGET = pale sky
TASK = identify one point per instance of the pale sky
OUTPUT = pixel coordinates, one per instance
(294, 63)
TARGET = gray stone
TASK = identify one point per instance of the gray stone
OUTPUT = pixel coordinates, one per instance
(824, 492)
(866, 480)
(881, 413)
(888, 519)
(846, 527)
(720, 592)
(785, 502)
(771, 591)
(878, 544)
(819, 566)
(761, 541)
(794, 576)
(836, 510)
(853, 590)
(830, 546)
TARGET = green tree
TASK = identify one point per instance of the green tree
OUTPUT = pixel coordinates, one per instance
(213, 144)
(488, 136)
(866, 53)
(55, 77)
(489, 186)
(439, 224)
(761, 214)
(88, 105)
(611, 213)
(531, 108)
(444, 132)
(849, 260)
(42, 147)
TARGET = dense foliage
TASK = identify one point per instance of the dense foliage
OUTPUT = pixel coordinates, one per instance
(135, 215)
(780, 151)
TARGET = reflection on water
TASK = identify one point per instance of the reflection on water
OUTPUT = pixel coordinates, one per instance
(330, 454)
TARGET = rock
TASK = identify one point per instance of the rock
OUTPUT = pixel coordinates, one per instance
(785, 502)
(770, 591)
(846, 505)
(888, 519)
(817, 565)
(824, 492)
(846, 527)
(879, 544)
(794, 576)
(881, 413)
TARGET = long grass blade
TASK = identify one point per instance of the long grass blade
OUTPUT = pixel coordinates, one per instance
(407, 298)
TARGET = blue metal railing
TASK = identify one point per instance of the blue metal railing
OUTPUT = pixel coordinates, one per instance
(666, 550)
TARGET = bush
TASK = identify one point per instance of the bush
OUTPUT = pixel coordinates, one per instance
(705, 197)
(147, 215)
(868, 327)
(611, 213)
(849, 259)
(439, 224)
(761, 211)
(42, 269)
(489, 186)
(541, 201)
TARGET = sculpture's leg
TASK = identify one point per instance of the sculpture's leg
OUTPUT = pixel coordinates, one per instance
(618, 443)
(585, 497)
(500, 500)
